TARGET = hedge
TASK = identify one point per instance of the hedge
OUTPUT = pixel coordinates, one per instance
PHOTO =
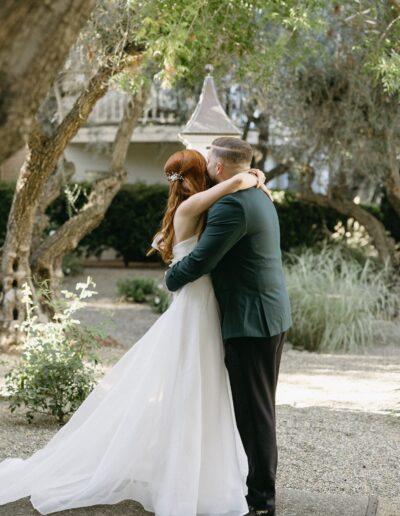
(136, 213)
(129, 224)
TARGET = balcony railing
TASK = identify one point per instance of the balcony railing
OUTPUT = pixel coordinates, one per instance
(163, 107)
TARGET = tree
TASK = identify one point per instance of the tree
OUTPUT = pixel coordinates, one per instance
(35, 38)
(47, 259)
(128, 43)
(335, 110)
(45, 148)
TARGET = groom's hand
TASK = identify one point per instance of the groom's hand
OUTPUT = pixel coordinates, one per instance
(225, 226)
(166, 278)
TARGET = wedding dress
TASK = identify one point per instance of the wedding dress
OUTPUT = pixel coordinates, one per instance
(158, 428)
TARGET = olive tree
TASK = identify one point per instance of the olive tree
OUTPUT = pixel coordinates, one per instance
(129, 43)
(337, 109)
(35, 39)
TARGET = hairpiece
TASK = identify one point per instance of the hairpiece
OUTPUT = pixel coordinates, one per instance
(175, 176)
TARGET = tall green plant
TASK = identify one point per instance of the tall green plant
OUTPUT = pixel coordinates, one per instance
(336, 301)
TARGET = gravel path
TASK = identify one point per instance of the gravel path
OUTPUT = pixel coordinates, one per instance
(126, 322)
(337, 415)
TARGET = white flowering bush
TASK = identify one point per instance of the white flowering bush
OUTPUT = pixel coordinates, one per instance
(58, 363)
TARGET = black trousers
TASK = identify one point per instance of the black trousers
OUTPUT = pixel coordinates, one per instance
(253, 367)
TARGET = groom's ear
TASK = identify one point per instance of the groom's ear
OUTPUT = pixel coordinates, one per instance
(219, 168)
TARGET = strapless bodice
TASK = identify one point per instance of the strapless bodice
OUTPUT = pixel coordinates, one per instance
(182, 249)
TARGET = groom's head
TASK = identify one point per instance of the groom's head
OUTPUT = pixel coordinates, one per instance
(228, 156)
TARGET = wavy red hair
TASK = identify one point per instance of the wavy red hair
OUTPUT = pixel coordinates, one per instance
(192, 166)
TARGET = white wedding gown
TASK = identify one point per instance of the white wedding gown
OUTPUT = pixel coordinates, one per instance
(158, 428)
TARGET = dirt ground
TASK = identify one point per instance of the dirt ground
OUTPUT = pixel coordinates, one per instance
(338, 416)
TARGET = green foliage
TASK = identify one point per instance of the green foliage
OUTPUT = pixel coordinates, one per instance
(136, 213)
(137, 290)
(181, 36)
(382, 43)
(161, 300)
(172, 40)
(145, 290)
(336, 103)
(388, 70)
(129, 225)
(72, 264)
(389, 218)
(133, 220)
(53, 377)
(337, 301)
(74, 192)
(303, 224)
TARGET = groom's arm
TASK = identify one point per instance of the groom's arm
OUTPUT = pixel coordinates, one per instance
(226, 225)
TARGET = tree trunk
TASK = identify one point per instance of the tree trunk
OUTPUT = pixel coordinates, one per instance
(277, 171)
(392, 183)
(52, 190)
(35, 38)
(42, 158)
(383, 243)
(46, 261)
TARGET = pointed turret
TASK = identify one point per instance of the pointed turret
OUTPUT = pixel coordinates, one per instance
(209, 120)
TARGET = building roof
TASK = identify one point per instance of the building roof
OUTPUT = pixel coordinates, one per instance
(209, 117)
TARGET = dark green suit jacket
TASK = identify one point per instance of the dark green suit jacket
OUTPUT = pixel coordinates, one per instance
(240, 246)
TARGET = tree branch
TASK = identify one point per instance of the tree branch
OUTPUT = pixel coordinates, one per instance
(79, 113)
(68, 236)
(62, 175)
(277, 171)
(384, 244)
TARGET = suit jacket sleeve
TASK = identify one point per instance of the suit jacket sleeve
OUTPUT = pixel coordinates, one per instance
(226, 225)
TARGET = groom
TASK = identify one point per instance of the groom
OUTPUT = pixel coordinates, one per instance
(240, 246)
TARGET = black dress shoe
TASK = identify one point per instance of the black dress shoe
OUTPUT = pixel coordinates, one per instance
(261, 512)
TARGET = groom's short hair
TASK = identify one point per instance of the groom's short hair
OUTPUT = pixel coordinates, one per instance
(232, 150)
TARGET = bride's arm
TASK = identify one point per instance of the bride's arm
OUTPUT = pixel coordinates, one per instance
(200, 202)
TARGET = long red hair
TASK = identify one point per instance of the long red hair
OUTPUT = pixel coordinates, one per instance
(192, 167)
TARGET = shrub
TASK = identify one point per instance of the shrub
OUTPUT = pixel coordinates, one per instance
(136, 212)
(390, 218)
(145, 290)
(337, 301)
(303, 224)
(72, 264)
(129, 225)
(161, 300)
(137, 290)
(52, 377)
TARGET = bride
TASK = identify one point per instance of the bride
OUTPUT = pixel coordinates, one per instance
(159, 427)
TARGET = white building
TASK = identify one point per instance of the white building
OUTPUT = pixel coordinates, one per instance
(159, 134)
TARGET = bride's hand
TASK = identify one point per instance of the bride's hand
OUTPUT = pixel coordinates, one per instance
(259, 175)
(261, 180)
(266, 191)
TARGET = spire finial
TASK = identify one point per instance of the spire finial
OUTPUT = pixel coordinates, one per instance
(209, 69)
